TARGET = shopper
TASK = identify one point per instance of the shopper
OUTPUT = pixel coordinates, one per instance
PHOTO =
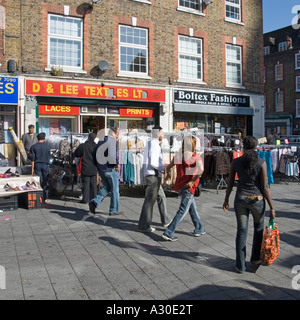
(108, 168)
(86, 151)
(29, 139)
(40, 157)
(189, 167)
(252, 190)
(153, 169)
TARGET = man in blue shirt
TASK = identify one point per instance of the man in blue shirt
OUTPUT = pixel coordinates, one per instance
(40, 157)
(108, 168)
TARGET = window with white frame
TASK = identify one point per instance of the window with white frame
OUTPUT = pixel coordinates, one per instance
(298, 83)
(133, 50)
(190, 5)
(233, 10)
(233, 65)
(297, 61)
(282, 46)
(190, 58)
(278, 71)
(279, 101)
(298, 108)
(65, 42)
(266, 50)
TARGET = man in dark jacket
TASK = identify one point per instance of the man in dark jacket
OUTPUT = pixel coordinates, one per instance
(88, 168)
(40, 157)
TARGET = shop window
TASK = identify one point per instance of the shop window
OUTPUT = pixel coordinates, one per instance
(65, 38)
(278, 72)
(194, 6)
(52, 125)
(279, 101)
(133, 50)
(233, 10)
(190, 59)
(233, 65)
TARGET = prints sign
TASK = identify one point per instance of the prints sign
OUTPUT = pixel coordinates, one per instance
(211, 98)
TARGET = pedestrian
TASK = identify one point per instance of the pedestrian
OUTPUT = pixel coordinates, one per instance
(153, 168)
(40, 157)
(29, 139)
(189, 168)
(86, 151)
(252, 190)
(272, 137)
(108, 168)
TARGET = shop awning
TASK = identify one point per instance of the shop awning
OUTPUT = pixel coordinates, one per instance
(198, 108)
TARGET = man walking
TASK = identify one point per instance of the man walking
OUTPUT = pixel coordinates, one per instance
(40, 157)
(108, 168)
(153, 169)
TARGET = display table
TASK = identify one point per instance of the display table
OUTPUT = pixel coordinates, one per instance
(18, 181)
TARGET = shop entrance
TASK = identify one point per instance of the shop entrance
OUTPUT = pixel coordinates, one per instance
(93, 123)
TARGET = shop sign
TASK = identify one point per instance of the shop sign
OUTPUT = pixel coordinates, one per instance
(59, 110)
(133, 112)
(86, 90)
(211, 98)
(9, 93)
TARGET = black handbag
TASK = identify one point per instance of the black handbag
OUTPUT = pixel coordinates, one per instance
(197, 192)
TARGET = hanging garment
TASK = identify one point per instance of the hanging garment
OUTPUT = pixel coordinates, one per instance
(266, 155)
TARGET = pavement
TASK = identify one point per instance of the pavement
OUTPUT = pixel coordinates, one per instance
(59, 252)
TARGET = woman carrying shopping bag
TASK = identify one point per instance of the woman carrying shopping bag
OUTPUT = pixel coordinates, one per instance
(252, 190)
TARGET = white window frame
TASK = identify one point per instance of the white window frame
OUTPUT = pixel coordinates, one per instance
(297, 108)
(235, 6)
(240, 62)
(55, 36)
(297, 83)
(191, 10)
(133, 74)
(279, 108)
(278, 75)
(266, 50)
(199, 56)
(297, 61)
(282, 46)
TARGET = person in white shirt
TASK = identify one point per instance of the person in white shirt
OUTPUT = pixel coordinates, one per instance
(153, 168)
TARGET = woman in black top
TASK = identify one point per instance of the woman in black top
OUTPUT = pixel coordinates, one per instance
(252, 190)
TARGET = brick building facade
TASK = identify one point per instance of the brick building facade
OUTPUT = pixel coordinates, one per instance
(191, 64)
(282, 81)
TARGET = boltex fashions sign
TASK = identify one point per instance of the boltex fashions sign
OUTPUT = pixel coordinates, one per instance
(211, 98)
(95, 91)
(9, 90)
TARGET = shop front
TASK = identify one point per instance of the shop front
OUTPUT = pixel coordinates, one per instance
(9, 99)
(282, 124)
(219, 113)
(85, 107)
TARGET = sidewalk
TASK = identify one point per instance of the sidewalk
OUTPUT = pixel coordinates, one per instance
(59, 252)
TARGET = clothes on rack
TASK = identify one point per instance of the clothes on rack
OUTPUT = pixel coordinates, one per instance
(266, 155)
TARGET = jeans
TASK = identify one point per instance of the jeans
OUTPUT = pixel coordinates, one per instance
(110, 181)
(42, 170)
(187, 204)
(243, 205)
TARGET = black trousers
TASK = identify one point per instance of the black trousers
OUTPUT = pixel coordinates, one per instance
(89, 184)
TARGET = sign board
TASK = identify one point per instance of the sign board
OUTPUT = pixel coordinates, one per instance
(133, 112)
(9, 90)
(59, 110)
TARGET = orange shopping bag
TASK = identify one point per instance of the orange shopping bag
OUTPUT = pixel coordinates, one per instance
(270, 246)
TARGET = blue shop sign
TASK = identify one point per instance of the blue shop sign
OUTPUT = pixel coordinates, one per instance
(9, 90)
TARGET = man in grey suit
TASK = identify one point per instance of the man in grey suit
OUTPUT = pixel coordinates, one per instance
(29, 139)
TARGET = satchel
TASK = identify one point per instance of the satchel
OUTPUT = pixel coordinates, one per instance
(270, 246)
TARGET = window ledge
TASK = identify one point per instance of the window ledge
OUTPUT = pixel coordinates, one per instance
(143, 1)
(70, 70)
(234, 21)
(182, 80)
(235, 86)
(192, 11)
(134, 75)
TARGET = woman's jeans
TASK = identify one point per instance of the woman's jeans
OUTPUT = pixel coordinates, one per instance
(243, 205)
(187, 204)
(110, 181)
